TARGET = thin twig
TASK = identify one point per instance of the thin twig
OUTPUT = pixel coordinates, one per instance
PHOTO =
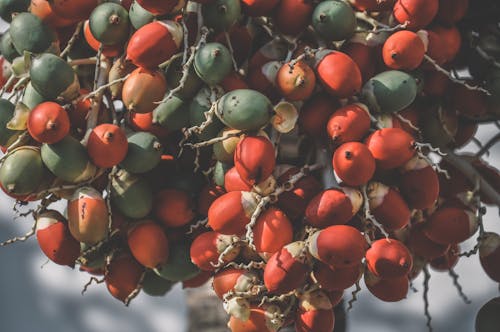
(427, 277)
(457, 285)
(485, 149)
(72, 40)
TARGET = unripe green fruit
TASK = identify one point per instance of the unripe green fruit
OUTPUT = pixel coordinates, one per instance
(212, 63)
(220, 15)
(51, 76)
(172, 114)
(109, 23)
(334, 20)
(179, 266)
(30, 34)
(131, 195)
(144, 153)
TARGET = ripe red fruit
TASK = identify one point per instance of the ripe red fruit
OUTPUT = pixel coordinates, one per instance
(234, 182)
(335, 279)
(259, 320)
(422, 246)
(174, 208)
(489, 255)
(450, 225)
(142, 89)
(48, 123)
(107, 145)
(272, 231)
(207, 247)
(287, 269)
(208, 195)
(391, 147)
(388, 258)
(315, 313)
(296, 82)
(419, 184)
(452, 11)
(315, 114)
(349, 123)
(451, 40)
(254, 159)
(418, 13)
(388, 290)
(333, 207)
(124, 274)
(236, 280)
(403, 50)
(388, 207)
(447, 261)
(300, 10)
(144, 122)
(353, 163)
(154, 43)
(229, 213)
(339, 74)
(74, 10)
(148, 243)
(340, 246)
(363, 56)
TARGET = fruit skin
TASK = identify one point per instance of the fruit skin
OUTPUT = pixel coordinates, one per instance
(354, 163)
(421, 245)
(254, 159)
(207, 248)
(333, 207)
(88, 216)
(450, 225)
(229, 213)
(403, 50)
(218, 19)
(296, 83)
(388, 258)
(109, 23)
(487, 319)
(257, 8)
(9, 7)
(124, 274)
(387, 206)
(7, 48)
(179, 266)
(259, 320)
(348, 123)
(419, 184)
(244, 109)
(300, 10)
(107, 145)
(131, 195)
(315, 313)
(139, 16)
(142, 89)
(334, 20)
(452, 11)
(418, 13)
(391, 147)
(335, 279)
(6, 114)
(42, 9)
(148, 244)
(447, 261)
(489, 255)
(143, 154)
(154, 43)
(107, 50)
(339, 245)
(339, 74)
(231, 279)
(212, 63)
(315, 113)
(30, 34)
(171, 115)
(48, 123)
(387, 290)
(55, 240)
(174, 208)
(75, 10)
(154, 285)
(272, 231)
(158, 7)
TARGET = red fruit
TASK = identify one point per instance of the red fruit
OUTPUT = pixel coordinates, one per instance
(349, 123)
(422, 246)
(159, 7)
(391, 147)
(76, 10)
(300, 10)
(353, 163)
(287, 269)
(447, 261)
(387, 206)
(296, 83)
(436, 49)
(240, 281)
(258, 7)
(259, 320)
(435, 83)
(451, 41)
(340, 246)
(234, 182)
(263, 79)
(315, 313)
(254, 159)
(450, 225)
(489, 255)
(388, 290)
(44, 11)
(419, 184)
(124, 274)
(229, 213)
(388, 258)
(412, 114)
(109, 51)
(334, 279)
(452, 11)
(333, 207)
(174, 208)
(55, 240)
(154, 43)
(418, 13)
(272, 231)
(233, 81)
(207, 247)
(142, 89)
(315, 114)
(339, 74)
(107, 145)
(208, 195)
(403, 50)
(48, 123)
(148, 244)
(363, 56)
(144, 122)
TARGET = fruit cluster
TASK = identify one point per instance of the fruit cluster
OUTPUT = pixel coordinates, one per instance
(282, 148)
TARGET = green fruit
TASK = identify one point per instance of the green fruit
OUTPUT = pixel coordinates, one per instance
(51, 76)
(220, 172)
(173, 74)
(131, 195)
(31, 97)
(30, 34)
(22, 172)
(244, 109)
(172, 114)
(334, 20)
(154, 285)
(221, 14)
(390, 91)
(109, 23)
(179, 266)
(197, 108)
(67, 159)
(144, 153)
(224, 150)
(139, 16)
(7, 48)
(6, 114)
(212, 63)
(9, 7)
(488, 317)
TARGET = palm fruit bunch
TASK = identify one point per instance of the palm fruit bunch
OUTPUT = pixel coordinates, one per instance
(283, 149)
